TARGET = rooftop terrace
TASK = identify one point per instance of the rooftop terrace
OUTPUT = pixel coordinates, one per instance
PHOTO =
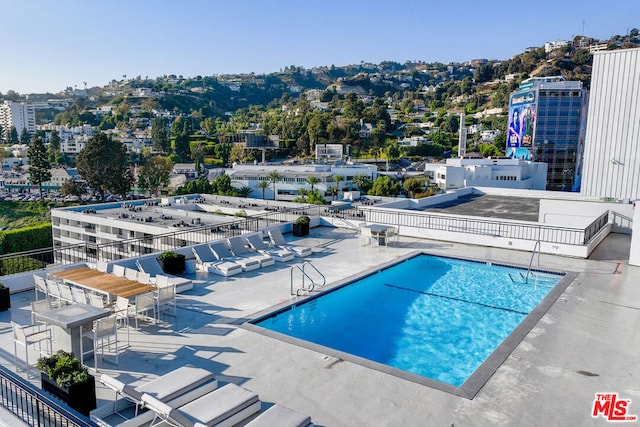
(583, 345)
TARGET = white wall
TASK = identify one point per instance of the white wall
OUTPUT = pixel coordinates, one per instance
(573, 213)
(612, 151)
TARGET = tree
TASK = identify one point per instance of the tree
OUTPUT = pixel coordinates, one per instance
(197, 155)
(102, 163)
(182, 145)
(13, 136)
(312, 181)
(411, 186)
(274, 177)
(223, 151)
(332, 191)
(73, 188)
(24, 137)
(208, 125)
(53, 152)
(154, 176)
(159, 136)
(363, 181)
(39, 166)
(337, 178)
(263, 185)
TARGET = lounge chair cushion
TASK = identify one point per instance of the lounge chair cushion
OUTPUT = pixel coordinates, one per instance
(214, 407)
(280, 416)
(175, 383)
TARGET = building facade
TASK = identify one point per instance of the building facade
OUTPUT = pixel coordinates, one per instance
(20, 115)
(612, 152)
(489, 172)
(547, 123)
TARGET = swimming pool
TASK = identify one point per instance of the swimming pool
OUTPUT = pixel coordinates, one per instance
(426, 316)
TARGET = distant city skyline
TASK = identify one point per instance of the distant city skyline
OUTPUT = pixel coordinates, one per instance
(48, 46)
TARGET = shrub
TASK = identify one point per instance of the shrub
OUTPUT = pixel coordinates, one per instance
(63, 368)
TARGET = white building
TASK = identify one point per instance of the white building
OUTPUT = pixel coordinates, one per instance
(558, 44)
(489, 172)
(21, 115)
(328, 152)
(612, 152)
(293, 178)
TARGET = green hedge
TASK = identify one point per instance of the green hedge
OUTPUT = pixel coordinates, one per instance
(26, 238)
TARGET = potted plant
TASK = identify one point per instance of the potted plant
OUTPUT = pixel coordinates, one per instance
(172, 262)
(5, 298)
(64, 377)
(301, 226)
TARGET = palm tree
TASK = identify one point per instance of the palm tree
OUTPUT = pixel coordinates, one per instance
(274, 177)
(333, 191)
(263, 185)
(337, 179)
(312, 181)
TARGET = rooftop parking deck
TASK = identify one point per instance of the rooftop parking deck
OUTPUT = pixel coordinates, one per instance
(585, 343)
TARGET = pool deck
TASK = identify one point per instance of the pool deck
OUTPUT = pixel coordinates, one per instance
(586, 343)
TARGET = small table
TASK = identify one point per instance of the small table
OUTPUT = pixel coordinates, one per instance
(67, 321)
(378, 232)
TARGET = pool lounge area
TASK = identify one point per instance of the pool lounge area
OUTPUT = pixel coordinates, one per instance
(582, 345)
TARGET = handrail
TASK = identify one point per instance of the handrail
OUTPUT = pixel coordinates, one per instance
(324, 279)
(533, 254)
(304, 274)
(302, 288)
(34, 407)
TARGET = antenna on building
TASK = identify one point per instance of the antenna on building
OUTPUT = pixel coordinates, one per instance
(462, 139)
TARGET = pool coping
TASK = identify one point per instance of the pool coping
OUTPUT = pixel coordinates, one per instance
(470, 388)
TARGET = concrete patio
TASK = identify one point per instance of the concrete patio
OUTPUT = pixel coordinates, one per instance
(585, 344)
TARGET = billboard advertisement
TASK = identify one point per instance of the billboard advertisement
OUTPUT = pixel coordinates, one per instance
(522, 119)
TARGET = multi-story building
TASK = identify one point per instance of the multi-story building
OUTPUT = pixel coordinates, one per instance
(489, 172)
(547, 122)
(612, 152)
(20, 115)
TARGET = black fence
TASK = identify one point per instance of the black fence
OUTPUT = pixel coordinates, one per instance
(34, 407)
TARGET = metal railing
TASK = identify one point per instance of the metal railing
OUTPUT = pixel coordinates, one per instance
(34, 407)
(121, 249)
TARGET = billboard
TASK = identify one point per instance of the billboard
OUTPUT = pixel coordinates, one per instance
(522, 119)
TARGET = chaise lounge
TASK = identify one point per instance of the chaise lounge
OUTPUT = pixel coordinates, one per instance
(256, 243)
(226, 406)
(278, 240)
(207, 261)
(240, 250)
(223, 253)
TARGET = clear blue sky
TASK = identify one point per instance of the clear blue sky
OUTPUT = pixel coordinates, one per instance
(48, 45)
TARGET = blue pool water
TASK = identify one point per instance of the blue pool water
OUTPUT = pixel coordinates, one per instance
(431, 316)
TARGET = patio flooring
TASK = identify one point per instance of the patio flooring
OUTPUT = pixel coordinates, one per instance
(586, 343)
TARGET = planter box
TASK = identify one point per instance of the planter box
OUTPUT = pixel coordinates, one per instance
(5, 299)
(173, 265)
(81, 397)
(300, 229)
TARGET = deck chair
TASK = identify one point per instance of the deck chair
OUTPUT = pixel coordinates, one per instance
(228, 406)
(280, 416)
(40, 286)
(223, 253)
(207, 261)
(239, 249)
(256, 243)
(177, 387)
(278, 240)
(150, 266)
(118, 270)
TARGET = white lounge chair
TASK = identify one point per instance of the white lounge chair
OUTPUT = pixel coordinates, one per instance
(150, 265)
(177, 388)
(278, 240)
(223, 253)
(281, 255)
(240, 250)
(280, 416)
(207, 261)
(226, 406)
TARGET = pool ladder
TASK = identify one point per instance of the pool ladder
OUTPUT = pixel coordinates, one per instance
(312, 283)
(533, 254)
